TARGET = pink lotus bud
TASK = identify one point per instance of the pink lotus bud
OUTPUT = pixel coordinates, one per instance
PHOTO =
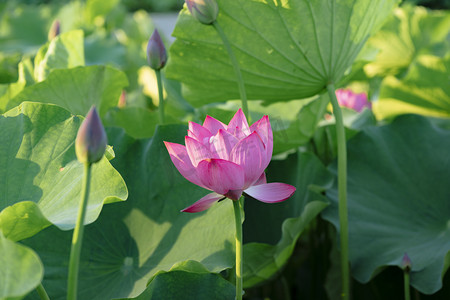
(156, 52)
(54, 30)
(406, 263)
(229, 160)
(91, 140)
(205, 11)
(353, 100)
(122, 99)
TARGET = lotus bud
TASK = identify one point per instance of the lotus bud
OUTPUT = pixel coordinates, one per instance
(355, 101)
(54, 30)
(91, 140)
(406, 263)
(205, 11)
(122, 99)
(156, 52)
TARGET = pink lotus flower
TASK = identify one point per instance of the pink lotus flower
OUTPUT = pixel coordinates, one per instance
(352, 100)
(228, 160)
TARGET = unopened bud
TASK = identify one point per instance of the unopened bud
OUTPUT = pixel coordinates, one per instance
(54, 30)
(205, 11)
(91, 140)
(406, 263)
(122, 99)
(156, 52)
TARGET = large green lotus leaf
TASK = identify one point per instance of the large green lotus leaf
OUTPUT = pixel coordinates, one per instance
(287, 49)
(77, 89)
(133, 240)
(272, 242)
(424, 90)
(398, 200)
(188, 280)
(138, 122)
(21, 269)
(41, 175)
(63, 52)
(411, 31)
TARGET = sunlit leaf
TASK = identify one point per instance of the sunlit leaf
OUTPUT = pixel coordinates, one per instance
(42, 177)
(77, 89)
(424, 90)
(287, 49)
(188, 281)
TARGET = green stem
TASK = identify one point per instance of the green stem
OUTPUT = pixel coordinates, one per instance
(239, 252)
(41, 292)
(236, 67)
(342, 191)
(77, 237)
(406, 285)
(161, 96)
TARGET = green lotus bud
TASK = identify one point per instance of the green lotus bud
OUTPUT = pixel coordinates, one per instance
(205, 11)
(156, 52)
(91, 140)
(54, 30)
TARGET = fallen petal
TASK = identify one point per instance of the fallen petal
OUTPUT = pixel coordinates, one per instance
(271, 192)
(204, 203)
(221, 175)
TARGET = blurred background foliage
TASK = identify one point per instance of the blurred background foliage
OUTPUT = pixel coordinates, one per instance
(413, 41)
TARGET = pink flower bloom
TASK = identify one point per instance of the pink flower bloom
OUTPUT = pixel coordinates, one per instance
(353, 100)
(228, 160)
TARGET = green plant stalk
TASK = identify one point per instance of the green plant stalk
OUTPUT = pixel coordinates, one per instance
(342, 191)
(161, 96)
(406, 285)
(236, 67)
(239, 250)
(41, 292)
(77, 237)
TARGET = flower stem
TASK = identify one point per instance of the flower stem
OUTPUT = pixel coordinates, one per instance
(406, 285)
(342, 191)
(161, 96)
(236, 67)
(239, 252)
(41, 292)
(77, 237)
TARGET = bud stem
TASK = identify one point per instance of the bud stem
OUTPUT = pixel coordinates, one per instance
(41, 292)
(239, 250)
(161, 96)
(342, 191)
(77, 237)
(406, 284)
(236, 67)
